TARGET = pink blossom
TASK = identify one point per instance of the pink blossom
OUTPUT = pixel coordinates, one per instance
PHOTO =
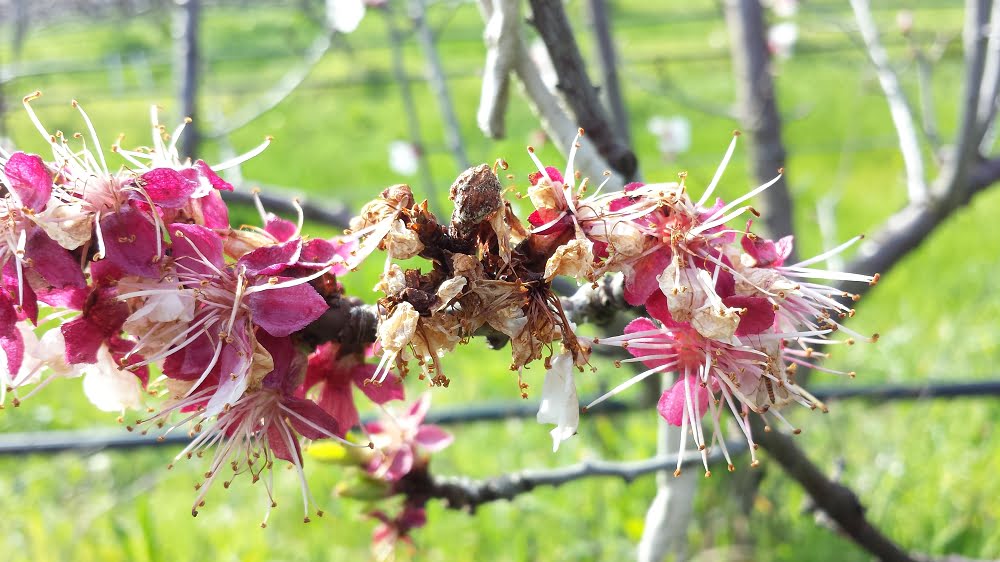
(401, 438)
(332, 375)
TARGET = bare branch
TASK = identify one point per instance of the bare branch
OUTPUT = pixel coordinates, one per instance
(990, 87)
(909, 227)
(467, 494)
(409, 105)
(899, 108)
(279, 92)
(186, 17)
(503, 48)
(436, 79)
(836, 500)
(601, 23)
(550, 112)
(951, 182)
(579, 93)
(759, 110)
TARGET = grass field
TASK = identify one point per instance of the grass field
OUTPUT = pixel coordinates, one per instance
(925, 470)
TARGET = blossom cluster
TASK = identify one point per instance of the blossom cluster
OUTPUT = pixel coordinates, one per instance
(133, 277)
(727, 310)
(111, 270)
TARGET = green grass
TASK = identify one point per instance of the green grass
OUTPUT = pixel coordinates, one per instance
(925, 470)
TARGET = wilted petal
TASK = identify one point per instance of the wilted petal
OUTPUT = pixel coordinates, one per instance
(12, 345)
(560, 405)
(29, 180)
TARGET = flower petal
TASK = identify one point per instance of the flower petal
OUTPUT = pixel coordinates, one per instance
(672, 405)
(167, 187)
(29, 180)
(269, 260)
(560, 405)
(192, 240)
(55, 264)
(280, 312)
(130, 239)
(432, 438)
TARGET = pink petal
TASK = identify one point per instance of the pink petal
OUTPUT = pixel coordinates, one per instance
(759, 315)
(554, 175)
(55, 264)
(167, 187)
(211, 211)
(418, 410)
(390, 389)
(312, 422)
(281, 229)
(281, 312)
(269, 260)
(432, 438)
(338, 401)
(401, 465)
(130, 240)
(190, 362)
(29, 301)
(672, 404)
(318, 253)
(644, 325)
(640, 279)
(30, 180)
(12, 345)
(71, 297)
(213, 178)
(783, 248)
(656, 306)
(192, 240)
(277, 433)
(83, 340)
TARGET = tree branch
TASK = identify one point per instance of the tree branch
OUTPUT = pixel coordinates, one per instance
(601, 23)
(836, 500)
(909, 227)
(186, 18)
(436, 79)
(579, 93)
(409, 105)
(503, 48)
(467, 494)
(899, 108)
(759, 110)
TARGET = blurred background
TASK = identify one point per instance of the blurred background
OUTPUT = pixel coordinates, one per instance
(353, 112)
